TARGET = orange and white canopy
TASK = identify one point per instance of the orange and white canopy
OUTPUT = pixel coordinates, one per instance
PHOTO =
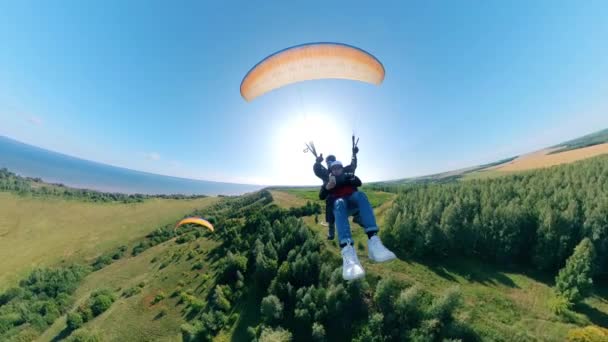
(311, 62)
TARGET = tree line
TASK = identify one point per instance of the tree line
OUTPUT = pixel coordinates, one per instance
(531, 218)
(14, 183)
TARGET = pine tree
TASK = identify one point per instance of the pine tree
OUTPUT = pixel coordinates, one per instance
(574, 281)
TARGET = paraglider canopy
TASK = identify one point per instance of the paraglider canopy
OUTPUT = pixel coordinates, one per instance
(195, 220)
(311, 62)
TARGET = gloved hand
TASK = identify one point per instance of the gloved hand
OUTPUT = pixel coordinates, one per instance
(332, 182)
(355, 149)
(320, 158)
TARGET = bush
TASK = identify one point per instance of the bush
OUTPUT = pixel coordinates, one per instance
(40, 299)
(100, 301)
(83, 335)
(131, 291)
(408, 305)
(588, 334)
(85, 311)
(102, 262)
(387, 292)
(559, 305)
(160, 296)
(74, 321)
(140, 248)
(191, 332)
(278, 335)
(318, 332)
(271, 309)
(444, 306)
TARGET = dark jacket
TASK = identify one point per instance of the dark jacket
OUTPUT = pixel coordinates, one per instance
(347, 182)
(323, 173)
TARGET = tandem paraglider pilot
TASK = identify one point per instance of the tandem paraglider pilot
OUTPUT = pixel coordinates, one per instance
(345, 198)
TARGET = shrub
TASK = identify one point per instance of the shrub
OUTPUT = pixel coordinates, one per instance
(83, 335)
(160, 296)
(559, 305)
(588, 334)
(271, 309)
(131, 291)
(74, 321)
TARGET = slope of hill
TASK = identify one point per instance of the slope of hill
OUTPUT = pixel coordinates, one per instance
(161, 289)
(588, 146)
(596, 138)
(42, 232)
(501, 303)
(551, 157)
(264, 274)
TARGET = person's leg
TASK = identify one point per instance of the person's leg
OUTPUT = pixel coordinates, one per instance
(351, 267)
(366, 214)
(330, 219)
(357, 219)
(341, 219)
(376, 250)
(331, 231)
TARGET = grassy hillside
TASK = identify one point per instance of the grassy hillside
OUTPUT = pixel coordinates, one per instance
(38, 231)
(596, 138)
(376, 198)
(226, 286)
(548, 158)
(160, 269)
(500, 303)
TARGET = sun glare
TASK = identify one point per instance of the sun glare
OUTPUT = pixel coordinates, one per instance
(328, 134)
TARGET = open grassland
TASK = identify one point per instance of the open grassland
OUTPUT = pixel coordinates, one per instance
(500, 303)
(545, 158)
(161, 269)
(376, 198)
(38, 231)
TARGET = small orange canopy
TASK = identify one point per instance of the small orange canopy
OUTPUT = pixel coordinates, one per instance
(195, 220)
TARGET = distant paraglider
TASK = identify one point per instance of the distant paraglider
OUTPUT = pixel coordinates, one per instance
(195, 220)
(311, 61)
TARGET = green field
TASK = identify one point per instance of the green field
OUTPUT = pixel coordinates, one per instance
(37, 231)
(500, 303)
(376, 198)
(136, 317)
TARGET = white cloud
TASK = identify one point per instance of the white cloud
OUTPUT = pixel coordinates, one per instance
(35, 120)
(152, 156)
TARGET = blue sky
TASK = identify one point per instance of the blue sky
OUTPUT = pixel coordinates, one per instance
(154, 86)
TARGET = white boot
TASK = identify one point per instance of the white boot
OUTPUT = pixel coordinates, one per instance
(351, 267)
(377, 251)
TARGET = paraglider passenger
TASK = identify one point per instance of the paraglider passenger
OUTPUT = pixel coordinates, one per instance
(342, 191)
(323, 173)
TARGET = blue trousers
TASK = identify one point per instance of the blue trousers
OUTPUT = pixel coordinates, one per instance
(346, 206)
